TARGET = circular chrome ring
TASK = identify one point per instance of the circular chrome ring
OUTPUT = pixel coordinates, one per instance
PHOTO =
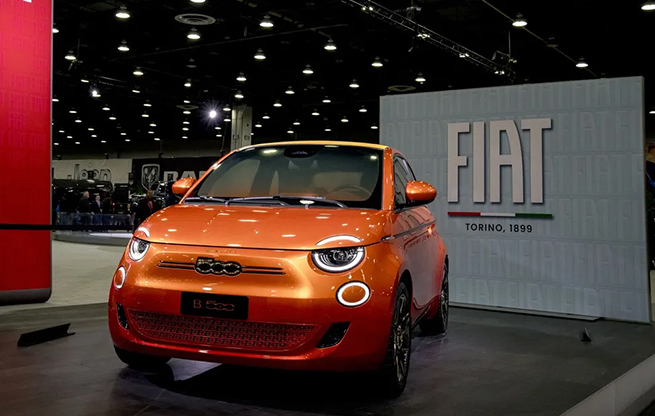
(123, 274)
(342, 289)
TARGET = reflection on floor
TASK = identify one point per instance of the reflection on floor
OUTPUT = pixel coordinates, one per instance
(81, 274)
(490, 363)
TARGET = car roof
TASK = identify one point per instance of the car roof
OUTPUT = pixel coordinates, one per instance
(322, 142)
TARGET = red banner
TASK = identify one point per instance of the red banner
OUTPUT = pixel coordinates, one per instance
(25, 149)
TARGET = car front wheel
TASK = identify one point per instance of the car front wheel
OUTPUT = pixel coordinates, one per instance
(394, 371)
(438, 324)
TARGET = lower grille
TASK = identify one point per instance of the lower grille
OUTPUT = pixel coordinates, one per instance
(216, 332)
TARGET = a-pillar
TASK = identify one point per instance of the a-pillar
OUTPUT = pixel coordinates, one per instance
(241, 127)
(25, 150)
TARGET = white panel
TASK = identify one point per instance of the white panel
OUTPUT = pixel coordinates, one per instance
(579, 157)
(113, 170)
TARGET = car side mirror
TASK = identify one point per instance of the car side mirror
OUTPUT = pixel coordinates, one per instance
(182, 186)
(419, 193)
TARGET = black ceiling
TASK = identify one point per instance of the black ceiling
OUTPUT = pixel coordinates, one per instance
(613, 39)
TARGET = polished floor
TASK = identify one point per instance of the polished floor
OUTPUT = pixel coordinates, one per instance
(490, 363)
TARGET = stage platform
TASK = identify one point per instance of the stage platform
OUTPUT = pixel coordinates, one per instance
(490, 363)
(96, 238)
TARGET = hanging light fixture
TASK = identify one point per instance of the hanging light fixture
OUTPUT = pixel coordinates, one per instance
(260, 55)
(227, 108)
(217, 128)
(344, 119)
(136, 90)
(377, 63)
(258, 125)
(330, 45)
(277, 104)
(112, 118)
(648, 6)
(267, 22)
(420, 78)
(147, 104)
(363, 109)
(54, 29)
(290, 131)
(316, 113)
(151, 132)
(153, 125)
(138, 72)
(241, 77)
(308, 70)
(328, 129)
(145, 115)
(70, 56)
(187, 83)
(123, 47)
(289, 91)
(55, 99)
(186, 122)
(227, 119)
(238, 95)
(156, 139)
(106, 108)
(519, 21)
(72, 111)
(354, 84)
(327, 100)
(78, 120)
(193, 34)
(266, 116)
(374, 127)
(296, 123)
(122, 13)
(582, 63)
(197, 1)
(187, 112)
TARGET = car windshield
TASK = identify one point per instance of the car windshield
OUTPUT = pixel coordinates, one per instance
(342, 176)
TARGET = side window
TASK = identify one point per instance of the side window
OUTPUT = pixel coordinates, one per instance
(410, 171)
(400, 180)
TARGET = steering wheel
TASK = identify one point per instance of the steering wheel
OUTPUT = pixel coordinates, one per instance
(363, 192)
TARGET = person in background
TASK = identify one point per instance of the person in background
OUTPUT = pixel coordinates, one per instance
(147, 206)
(108, 211)
(84, 209)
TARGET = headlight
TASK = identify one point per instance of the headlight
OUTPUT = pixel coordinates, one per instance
(138, 249)
(338, 259)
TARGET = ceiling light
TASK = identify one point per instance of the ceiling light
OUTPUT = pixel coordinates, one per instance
(127, 140)
(328, 129)
(308, 70)
(582, 63)
(122, 13)
(105, 108)
(93, 135)
(420, 78)
(344, 119)
(78, 121)
(70, 56)
(220, 135)
(267, 22)
(186, 112)
(112, 118)
(354, 84)
(197, 1)
(377, 63)
(266, 116)
(151, 132)
(184, 137)
(362, 110)
(260, 55)
(463, 55)
(95, 93)
(123, 133)
(374, 127)
(61, 131)
(241, 77)
(193, 34)
(213, 114)
(73, 111)
(330, 46)
(289, 91)
(103, 141)
(290, 131)
(238, 95)
(153, 125)
(77, 142)
(519, 21)
(136, 90)
(648, 6)
(258, 125)
(156, 139)
(90, 129)
(55, 30)
(56, 144)
(227, 108)
(227, 120)
(217, 128)
(147, 104)
(138, 72)
(326, 100)
(69, 137)
(277, 104)
(296, 123)
(187, 102)
(651, 112)
(84, 80)
(187, 83)
(145, 115)
(55, 99)
(316, 113)
(123, 46)
(187, 122)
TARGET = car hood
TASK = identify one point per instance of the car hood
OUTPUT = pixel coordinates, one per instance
(284, 228)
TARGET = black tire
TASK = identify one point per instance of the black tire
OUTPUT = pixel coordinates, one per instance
(140, 361)
(438, 324)
(393, 374)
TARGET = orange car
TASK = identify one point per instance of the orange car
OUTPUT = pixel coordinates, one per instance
(298, 255)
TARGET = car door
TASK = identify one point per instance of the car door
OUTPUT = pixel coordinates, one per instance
(413, 231)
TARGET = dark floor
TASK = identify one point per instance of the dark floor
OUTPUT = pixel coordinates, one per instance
(490, 363)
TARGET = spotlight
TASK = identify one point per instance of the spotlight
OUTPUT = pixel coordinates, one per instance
(289, 91)
(582, 63)
(260, 55)
(123, 47)
(648, 6)
(138, 72)
(277, 104)
(519, 21)
(266, 116)
(213, 114)
(187, 83)
(241, 77)
(354, 84)
(308, 70)
(374, 127)
(326, 100)
(193, 34)
(105, 108)
(267, 22)
(296, 123)
(362, 110)
(330, 46)
(420, 78)
(70, 56)
(258, 125)
(238, 95)
(316, 113)
(377, 63)
(122, 13)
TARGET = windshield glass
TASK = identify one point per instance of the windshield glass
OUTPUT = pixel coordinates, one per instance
(348, 174)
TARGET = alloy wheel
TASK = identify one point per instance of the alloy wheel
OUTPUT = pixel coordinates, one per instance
(444, 301)
(402, 338)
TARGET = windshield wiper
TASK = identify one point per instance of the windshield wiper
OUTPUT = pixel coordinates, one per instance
(204, 198)
(280, 199)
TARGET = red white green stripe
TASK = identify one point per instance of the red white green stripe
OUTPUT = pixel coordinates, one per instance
(533, 215)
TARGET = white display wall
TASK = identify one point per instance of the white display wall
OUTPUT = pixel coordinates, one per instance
(113, 170)
(541, 192)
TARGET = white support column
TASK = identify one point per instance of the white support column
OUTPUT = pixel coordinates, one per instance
(241, 127)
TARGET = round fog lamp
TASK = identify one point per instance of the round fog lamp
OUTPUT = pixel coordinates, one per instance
(353, 294)
(119, 277)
